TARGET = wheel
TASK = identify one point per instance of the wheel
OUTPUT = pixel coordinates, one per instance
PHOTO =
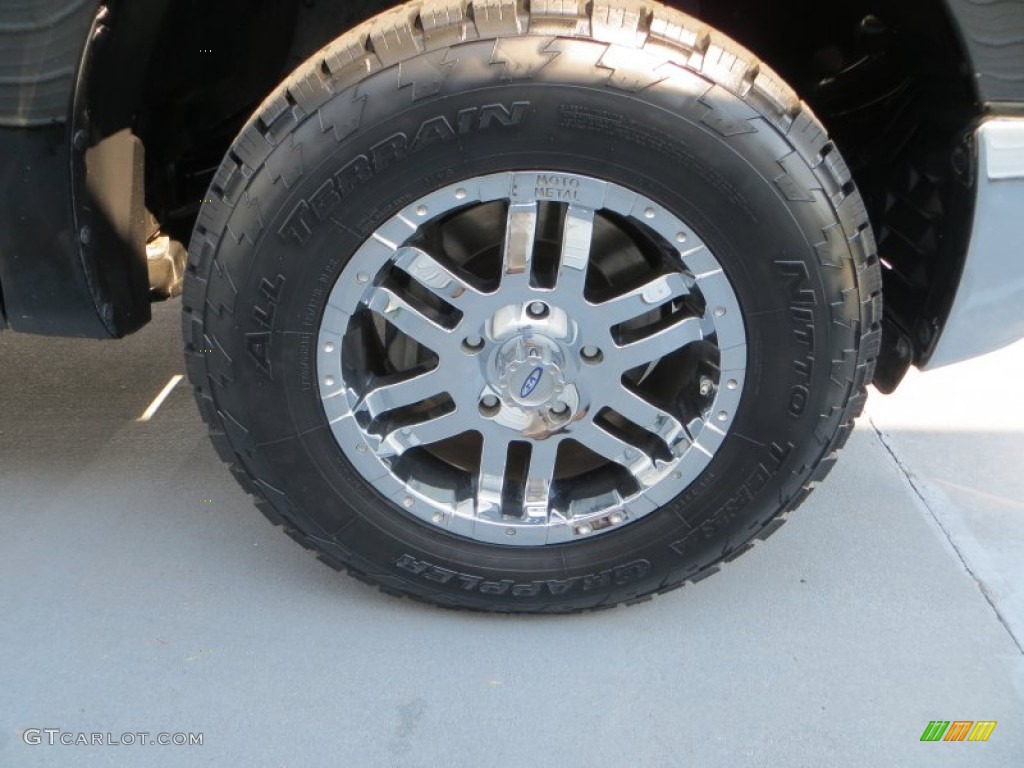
(531, 311)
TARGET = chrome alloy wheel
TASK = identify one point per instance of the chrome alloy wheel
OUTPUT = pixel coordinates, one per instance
(531, 358)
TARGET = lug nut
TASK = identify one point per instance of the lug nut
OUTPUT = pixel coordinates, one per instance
(489, 406)
(472, 344)
(538, 310)
(592, 355)
(559, 411)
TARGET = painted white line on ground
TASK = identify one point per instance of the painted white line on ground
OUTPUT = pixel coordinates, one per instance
(155, 405)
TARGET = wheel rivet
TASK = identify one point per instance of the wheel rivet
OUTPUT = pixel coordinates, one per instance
(584, 529)
(361, 448)
(677, 475)
(329, 381)
(510, 531)
(408, 501)
(438, 517)
(328, 347)
(650, 213)
(681, 237)
(616, 519)
(460, 194)
(723, 416)
(720, 311)
(732, 384)
(362, 278)
(422, 211)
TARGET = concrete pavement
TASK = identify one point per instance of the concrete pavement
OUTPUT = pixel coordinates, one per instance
(957, 435)
(141, 591)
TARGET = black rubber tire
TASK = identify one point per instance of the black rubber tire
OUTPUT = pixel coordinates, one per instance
(641, 95)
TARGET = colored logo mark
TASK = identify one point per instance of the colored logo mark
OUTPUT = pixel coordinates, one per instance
(531, 383)
(958, 730)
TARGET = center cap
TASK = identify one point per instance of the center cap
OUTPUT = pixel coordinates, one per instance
(529, 370)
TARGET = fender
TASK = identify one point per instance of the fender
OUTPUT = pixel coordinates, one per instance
(72, 209)
(108, 162)
(73, 203)
(993, 35)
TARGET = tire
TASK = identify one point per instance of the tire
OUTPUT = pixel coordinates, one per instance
(419, 100)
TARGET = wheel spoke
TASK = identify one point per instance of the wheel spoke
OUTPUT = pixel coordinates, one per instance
(435, 277)
(651, 418)
(539, 480)
(576, 243)
(658, 345)
(425, 433)
(402, 393)
(647, 297)
(490, 483)
(520, 236)
(408, 319)
(615, 449)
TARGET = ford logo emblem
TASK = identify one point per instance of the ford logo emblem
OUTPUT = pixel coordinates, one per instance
(531, 383)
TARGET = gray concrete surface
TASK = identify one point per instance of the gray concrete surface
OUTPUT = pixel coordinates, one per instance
(140, 591)
(957, 435)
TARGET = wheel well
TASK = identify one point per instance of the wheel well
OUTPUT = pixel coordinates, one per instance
(890, 81)
(894, 87)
